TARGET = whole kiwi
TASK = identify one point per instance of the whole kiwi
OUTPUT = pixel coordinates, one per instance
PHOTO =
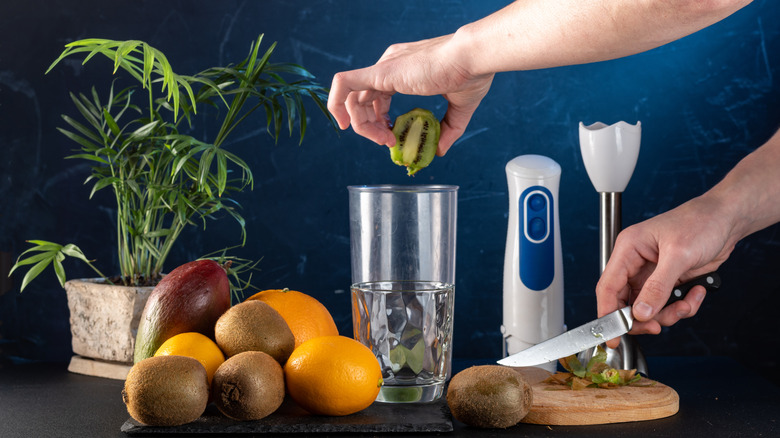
(254, 326)
(248, 386)
(489, 396)
(166, 391)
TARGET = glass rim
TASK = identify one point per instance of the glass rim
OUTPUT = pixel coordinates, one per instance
(406, 286)
(404, 188)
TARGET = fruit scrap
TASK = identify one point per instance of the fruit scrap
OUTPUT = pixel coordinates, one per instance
(596, 374)
(417, 137)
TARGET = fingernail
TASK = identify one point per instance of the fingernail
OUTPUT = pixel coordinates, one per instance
(642, 310)
(682, 314)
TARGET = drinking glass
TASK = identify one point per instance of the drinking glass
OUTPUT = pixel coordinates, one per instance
(408, 326)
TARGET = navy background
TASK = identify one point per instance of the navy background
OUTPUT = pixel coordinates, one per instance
(704, 102)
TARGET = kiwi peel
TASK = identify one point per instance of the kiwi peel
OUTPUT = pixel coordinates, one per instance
(416, 139)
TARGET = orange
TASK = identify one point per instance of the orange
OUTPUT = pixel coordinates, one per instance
(196, 346)
(333, 375)
(306, 317)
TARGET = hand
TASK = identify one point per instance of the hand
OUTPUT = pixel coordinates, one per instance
(651, 257)
(425, 68)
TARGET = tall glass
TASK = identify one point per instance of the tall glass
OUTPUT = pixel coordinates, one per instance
(403, 273)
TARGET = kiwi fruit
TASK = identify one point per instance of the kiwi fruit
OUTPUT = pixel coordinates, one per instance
(489, 396)
(417, 137)
(248, 386)
(166, 391)
(254, 326)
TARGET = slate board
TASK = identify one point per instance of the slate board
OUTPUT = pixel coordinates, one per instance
(290, 418)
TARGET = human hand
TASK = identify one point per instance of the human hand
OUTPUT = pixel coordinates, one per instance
(362, 97)
(651, 257)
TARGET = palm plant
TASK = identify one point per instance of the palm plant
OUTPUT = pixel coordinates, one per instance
(164, 179)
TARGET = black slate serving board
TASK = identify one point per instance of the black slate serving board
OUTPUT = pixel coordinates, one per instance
(290, 418)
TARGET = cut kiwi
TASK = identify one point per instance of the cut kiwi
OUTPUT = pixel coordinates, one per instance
(489, 396)
(166, 391)
(248, 386)
(417, 137)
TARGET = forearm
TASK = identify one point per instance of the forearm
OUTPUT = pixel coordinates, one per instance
(749, 195)
(533, 34)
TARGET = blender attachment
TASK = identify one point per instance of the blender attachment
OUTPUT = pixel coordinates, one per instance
(610, 154)
(533, 264)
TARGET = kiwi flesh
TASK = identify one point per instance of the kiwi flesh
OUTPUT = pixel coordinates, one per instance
(417, 137)
(248, 386)
(489, 396)
(254, 326)
(166, 391)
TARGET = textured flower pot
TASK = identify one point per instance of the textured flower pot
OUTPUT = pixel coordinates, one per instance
(103, 322)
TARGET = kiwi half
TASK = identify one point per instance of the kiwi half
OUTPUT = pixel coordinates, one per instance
(417, 137)
(489, 396)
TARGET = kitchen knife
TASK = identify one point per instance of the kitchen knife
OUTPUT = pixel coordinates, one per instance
(597, 332)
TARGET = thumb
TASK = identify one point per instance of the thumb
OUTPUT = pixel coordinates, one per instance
(656, 290)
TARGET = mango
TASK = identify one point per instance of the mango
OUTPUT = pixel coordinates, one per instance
(191, 298)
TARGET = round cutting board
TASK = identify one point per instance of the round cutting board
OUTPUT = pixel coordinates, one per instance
(553, 405)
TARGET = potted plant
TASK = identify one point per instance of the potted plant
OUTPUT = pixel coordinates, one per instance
(162, 177)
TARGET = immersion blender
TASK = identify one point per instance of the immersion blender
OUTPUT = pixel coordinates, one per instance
(533, 264)
(610, 154)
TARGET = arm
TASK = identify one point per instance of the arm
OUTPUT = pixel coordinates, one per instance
(527, 34)
(690, 240)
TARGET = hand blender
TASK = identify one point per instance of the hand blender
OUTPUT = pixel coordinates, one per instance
(610, 154)
(533, 265)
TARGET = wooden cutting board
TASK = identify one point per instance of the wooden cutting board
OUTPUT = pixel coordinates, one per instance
(555, 406)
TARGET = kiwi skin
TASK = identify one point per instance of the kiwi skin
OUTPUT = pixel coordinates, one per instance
(248, 386)
(489, 396)
(166, 391)
(254, 326)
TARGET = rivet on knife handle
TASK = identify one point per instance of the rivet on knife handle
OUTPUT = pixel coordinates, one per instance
(710, 282)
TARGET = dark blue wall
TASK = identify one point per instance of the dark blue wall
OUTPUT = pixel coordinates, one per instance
(704, 102)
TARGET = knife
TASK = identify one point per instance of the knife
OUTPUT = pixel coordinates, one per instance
(598, 331)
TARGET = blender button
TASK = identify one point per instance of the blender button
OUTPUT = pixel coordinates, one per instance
(537, 202)
(537, 229)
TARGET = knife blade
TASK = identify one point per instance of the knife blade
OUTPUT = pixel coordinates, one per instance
(598, 331)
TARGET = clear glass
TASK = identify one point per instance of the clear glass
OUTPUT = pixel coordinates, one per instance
(403, 232)
(408, 326)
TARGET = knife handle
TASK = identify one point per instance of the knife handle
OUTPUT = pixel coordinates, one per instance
(710, 282)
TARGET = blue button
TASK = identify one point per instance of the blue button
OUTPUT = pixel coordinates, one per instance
(537, 202)
(537, 229)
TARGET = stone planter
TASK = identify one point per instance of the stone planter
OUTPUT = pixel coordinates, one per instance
(103, 322)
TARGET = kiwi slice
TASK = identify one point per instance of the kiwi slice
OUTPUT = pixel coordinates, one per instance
(489, 396)
(248, 386)
(166, 391)
(417, 137)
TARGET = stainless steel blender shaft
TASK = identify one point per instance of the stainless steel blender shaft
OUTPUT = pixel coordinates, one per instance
(610, 224)
(628, 355)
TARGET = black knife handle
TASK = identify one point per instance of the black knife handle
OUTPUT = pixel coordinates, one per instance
(710, 282)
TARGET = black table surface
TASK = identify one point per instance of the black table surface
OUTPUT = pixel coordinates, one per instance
(718, 398)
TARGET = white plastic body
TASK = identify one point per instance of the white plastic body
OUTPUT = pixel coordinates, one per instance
(610, 153)
(532, 313)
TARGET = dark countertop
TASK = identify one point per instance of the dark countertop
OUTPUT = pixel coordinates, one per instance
(718, 397)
